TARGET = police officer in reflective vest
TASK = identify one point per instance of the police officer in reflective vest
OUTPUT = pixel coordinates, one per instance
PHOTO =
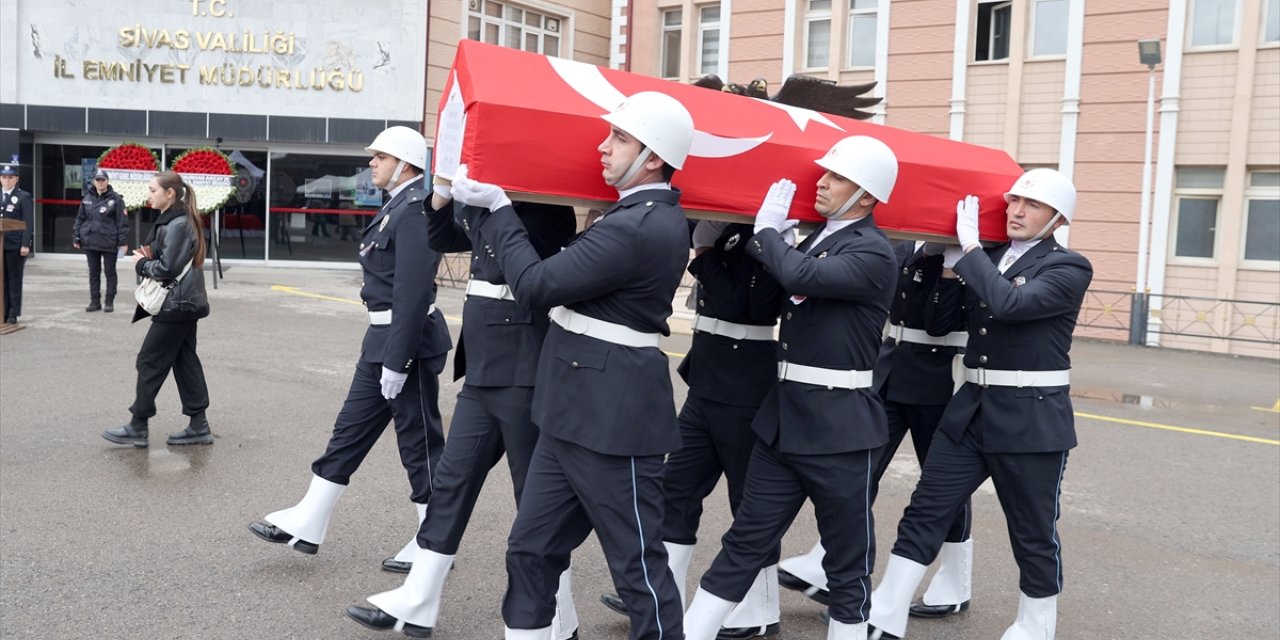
(603, 399)
(1012, 420)
(498, 352)
(731, 366)
(819, 426)
(404, 349)
(914, 378)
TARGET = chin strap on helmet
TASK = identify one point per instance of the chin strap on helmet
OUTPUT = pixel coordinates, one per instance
(1048, 227)
(848, 204)
(632, 170)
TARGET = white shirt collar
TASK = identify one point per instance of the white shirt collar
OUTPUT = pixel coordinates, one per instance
(1018, 247)
(623, 193)
(401, 187)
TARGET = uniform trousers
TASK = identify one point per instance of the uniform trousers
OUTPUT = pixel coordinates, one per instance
(14, 263)
(716, 439)
(100, 261)
(921, 420)
(170, 346)
(487, 422)
(365, 415)
(777, 485)
(571, 490)
(1028, 485)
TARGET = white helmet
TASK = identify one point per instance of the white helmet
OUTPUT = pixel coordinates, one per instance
(403, 143)
(868, 162)
(659, 122)
(1047, 186)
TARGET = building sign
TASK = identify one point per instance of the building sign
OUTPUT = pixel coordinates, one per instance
(301, 58)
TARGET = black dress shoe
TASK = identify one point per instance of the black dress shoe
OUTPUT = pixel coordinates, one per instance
(922, 610)
(108, 306)
(614, 603)
(197, 432)
(749, 632)
(272, 533)
(379, 620)
(134, 433)
(93, 306)
(790, 581)
(11, 320)
(396, 566)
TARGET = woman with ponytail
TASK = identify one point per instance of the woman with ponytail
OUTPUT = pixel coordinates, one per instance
(173, 252)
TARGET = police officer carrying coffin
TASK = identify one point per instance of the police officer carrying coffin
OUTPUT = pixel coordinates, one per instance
(913, 376)
(498, 351)
(1012, 420)
(15, 204)
(731, 366)
(403, 351)
(603, 398)
(821, 423)
(101, 229)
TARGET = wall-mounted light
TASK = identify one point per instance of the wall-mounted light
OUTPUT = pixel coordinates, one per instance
(1149, 52)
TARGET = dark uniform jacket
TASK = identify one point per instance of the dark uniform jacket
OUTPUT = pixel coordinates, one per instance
(846, 282)
(907, 372)
(736, 288)
(399, 274)
(18, 207)
(1022, 319)
(102, 223)
(173, 244)
(500, 340)
(624, 269)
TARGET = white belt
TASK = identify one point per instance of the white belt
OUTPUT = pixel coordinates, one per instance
(844, 379)
(575, 322)
(901, 334)
(997, 378)
(381, 318)
(733, 330)
(489, 290)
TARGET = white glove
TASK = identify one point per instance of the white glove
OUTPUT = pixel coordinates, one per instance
(392, 383)
(478, 194)
(443, 190)
(967, 222)
(951, 255)
(789, 236)
(777, 204)
(707, 232)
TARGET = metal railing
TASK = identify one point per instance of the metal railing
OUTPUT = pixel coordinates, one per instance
(1144, 314)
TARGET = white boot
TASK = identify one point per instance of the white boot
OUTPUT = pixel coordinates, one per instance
(526, 634)
(1037, 619)
(808, 567)
(565, 624)
(410, 548)
(678, 558)
(705, 616)
(952, 584)
(891, 601)
(309, 519)
(417, 601)
(760, 608)
(846, 631)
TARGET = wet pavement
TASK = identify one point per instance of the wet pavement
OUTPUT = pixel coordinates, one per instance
(1170, 511)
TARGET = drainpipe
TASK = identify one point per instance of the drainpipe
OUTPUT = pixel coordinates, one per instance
(1171, 83)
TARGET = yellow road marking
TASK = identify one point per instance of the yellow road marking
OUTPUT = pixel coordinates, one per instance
(1166, 427)
(1275, 408)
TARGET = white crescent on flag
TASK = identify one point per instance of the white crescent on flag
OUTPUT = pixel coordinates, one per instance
(588, 82)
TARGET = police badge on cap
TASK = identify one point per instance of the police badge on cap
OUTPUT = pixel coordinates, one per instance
(8, 170)
(101, 174)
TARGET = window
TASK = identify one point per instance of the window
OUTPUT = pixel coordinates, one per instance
(862, 32)
(507, 25)
(1262, 217)
(1271, 22)
(817, 34)
(709, 39)
(1198, 195)
(1050, 34)
(671, 44)
(995, 19)
(1213, 22)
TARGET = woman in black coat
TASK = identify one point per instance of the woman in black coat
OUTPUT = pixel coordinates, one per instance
(175, 240)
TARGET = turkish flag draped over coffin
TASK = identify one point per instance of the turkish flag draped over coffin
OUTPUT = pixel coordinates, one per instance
(531, 124)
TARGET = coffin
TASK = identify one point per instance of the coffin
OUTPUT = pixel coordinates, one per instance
(531, 124)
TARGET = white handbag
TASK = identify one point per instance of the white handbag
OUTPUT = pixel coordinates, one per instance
(151, 293)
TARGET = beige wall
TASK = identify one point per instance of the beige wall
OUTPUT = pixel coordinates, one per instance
(920, 45)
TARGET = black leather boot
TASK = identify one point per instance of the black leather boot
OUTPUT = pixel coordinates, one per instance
(134, 433)
(94, 305)
(197, 432)
(108, 306)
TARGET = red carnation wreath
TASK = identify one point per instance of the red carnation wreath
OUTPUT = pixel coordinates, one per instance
(130, 167)
(210, 173)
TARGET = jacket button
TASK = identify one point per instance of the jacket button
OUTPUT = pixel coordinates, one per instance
(982, 359)
(982, 304)
(788, 315)
(904, 295)
(904, 271)
(982, 331)
(784, 346)
(735, 346)
(702, 303)
(507, 320)
(574, 364)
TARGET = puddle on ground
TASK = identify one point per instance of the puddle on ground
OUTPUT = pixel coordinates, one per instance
(165, 461)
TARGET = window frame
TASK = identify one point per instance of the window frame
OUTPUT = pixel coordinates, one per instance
(1263, 43)
(678, 29)
(811, 16)
(1175, 216)
(703, 29)
(1255, 193)
(848, 35)
(475, 9)
(1190, 46)
(1031, 33)
(996, 5)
